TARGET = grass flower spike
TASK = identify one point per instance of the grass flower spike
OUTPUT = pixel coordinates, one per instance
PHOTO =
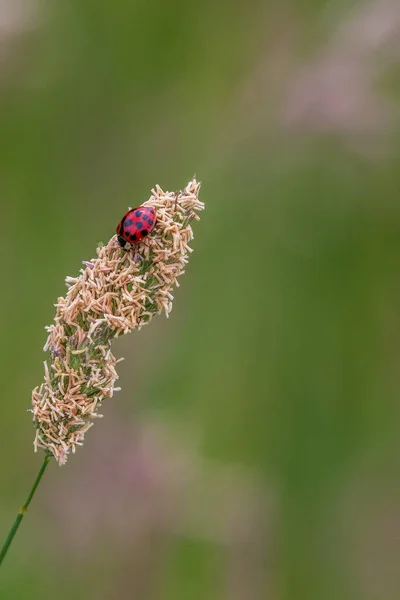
(115, 293)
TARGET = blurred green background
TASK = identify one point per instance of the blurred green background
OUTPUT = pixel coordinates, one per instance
(254, 450)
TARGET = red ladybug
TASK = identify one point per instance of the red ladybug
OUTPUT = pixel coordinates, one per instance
(135, 225)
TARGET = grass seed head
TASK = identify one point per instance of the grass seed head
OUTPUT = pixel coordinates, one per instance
(115, 293)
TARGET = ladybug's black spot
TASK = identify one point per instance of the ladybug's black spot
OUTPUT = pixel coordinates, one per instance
(133, 237)
(144, 232)
(139, 224)
(126, 233)
(151, 222)
(138, 213)
(128, 223)
(145, 217)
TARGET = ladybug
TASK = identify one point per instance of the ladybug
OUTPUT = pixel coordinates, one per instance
(135, 225)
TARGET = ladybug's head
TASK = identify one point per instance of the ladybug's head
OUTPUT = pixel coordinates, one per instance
(123, 243)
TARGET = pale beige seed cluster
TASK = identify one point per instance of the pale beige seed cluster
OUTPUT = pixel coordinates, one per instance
(116, 292)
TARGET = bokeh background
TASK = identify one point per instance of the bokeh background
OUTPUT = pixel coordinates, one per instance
(254, 449)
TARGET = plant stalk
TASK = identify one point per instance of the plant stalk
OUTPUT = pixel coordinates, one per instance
(23, 509)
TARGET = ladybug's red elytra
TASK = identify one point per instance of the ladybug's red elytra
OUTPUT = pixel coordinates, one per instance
(135, 225)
